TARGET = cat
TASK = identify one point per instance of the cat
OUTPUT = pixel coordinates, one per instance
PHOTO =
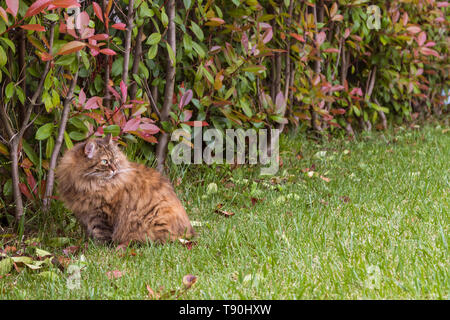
(116, 200)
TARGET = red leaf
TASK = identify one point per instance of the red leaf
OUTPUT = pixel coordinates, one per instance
(421, 38)
(45, 56)
(24, 189)
(346, 33)
(244, 41)
(413, 29)
(123, 89)
(185, 99)
(13, 7)
(197, 123)
(114, 92)
(93, 103)
(149, 128)
(72, 46)
(100, 36)
(331, 50)
(82, 97)
(320, 38)
(37, 7)
(338, 111)
(108, 52)
(65, 3)
(187, 115)
(429, 52)
(267, 36)
(132, 125)
(119, 26)
(297, 36)
(147, 137)
(34, 27)
(98, 11)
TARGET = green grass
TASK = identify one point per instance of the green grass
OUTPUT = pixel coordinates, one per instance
(378, 229)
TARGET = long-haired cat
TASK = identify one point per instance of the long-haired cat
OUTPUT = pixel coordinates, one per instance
(118, 200)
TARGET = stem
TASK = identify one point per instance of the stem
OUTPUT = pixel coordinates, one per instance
(161, 149)
(128, 36)
(59, 140)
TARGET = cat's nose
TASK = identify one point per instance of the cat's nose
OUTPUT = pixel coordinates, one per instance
(113, 168)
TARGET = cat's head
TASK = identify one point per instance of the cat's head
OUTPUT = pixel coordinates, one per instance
(102, 159)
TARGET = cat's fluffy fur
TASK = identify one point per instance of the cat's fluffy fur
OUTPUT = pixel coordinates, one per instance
(118, 200)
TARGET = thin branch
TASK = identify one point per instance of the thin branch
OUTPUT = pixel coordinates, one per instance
(161, 149)
(128, 36)
(59, 140)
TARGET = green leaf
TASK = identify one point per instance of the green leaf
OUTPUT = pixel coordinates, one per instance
(45, 131)
(6, 266)
(164, 18)
(42, 253)
(171, 54)
(77, 136)
(3, 57)
(22, 259)
(9, 43)
(114, 129)
(246, 107)
(7, 188)
(154, 38)
(20, 94)
(31, 154)
(187, 43)
(52, 17)
(49, 147)
(207, 74)
(77, 122)
(187, 4)
(69, 143)
(198, 48)
(151, 54)
(9, 91)
(117, 67)
(197, 31)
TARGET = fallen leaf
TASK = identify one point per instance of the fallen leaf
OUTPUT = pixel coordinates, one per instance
(152, 294)
(255, 200)
(114, 274)
(42, 253)
(71, 250)
(325, 179)
(10, 249)
(6, 265)
(189, 280)
(224, 213)
(345, 199)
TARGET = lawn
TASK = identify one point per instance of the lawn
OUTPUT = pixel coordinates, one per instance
(361, 219)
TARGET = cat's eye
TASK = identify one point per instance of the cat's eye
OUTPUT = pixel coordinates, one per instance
(104, 161)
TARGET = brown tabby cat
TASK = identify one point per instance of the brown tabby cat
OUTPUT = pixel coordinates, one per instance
(118, 200)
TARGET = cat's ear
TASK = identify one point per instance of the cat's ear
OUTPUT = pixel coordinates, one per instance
(89, 149)
(108, 138)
